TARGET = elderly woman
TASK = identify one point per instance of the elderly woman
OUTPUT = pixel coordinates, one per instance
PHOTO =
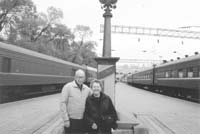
(100, 115)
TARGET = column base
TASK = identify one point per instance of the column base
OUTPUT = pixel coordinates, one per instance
(106, 73)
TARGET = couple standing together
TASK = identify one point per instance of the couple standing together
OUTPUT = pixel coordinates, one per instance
(86, 110)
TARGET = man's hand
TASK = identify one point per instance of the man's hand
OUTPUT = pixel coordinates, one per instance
(67, 123)
(94, 126)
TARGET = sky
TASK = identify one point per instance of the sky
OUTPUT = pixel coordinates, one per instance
(169, 14)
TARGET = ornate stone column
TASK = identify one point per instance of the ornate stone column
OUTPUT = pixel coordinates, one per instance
(106, 63)
(107, 5)
(107, 68)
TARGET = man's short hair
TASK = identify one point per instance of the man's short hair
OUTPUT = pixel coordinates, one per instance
(79, 71)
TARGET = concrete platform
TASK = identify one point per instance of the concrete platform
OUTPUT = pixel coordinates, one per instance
(41, 116)
(161, 114)
(27, 116)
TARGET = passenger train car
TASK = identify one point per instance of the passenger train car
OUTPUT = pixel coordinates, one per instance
(180, 78)
(25, 73)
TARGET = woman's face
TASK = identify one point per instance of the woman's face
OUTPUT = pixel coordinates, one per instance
(96, 88)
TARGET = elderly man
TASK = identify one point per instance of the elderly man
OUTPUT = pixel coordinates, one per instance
(73, 98)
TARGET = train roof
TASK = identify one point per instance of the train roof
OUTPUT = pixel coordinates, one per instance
(186, 59)
(91, 68)
(18, 49)
(190, 58)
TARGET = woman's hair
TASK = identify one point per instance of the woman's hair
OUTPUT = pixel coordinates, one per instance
(95, 81)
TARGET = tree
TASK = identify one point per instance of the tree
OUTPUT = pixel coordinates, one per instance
(82, 51)
(34, 27)
(53, 17)
(84, 54)
(88, 53)
(12, 10)
(30, 26)
(82, 32)
(43, 33)
(60, 35)
(24, 26)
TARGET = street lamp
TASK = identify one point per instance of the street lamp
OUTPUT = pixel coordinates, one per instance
(107, 5)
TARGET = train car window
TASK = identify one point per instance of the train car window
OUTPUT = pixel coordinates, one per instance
(195, 71)
(174, 73)
(1, 64)
(180, 73)
(199, 71)
(166, 74)
(161, 74)
(157, 75)
(6, 64)
(190, 72)
(184, 72)
(170, 73)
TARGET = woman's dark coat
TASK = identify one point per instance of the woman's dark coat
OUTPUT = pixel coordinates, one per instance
(100, 111)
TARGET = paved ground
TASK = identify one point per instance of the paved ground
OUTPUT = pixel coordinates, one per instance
(162, 114)
(166, 114)
(26, 116)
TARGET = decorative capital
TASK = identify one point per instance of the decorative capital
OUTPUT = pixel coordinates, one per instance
(108, 4)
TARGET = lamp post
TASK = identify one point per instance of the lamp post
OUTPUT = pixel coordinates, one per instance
(106, 65)
(107, 5)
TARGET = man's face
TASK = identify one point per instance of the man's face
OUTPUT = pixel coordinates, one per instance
(80, 78)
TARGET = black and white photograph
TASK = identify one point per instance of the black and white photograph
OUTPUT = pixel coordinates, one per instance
(99, 67)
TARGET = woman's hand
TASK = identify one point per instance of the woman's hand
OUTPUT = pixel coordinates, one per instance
(67, 123)
(94, 126)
